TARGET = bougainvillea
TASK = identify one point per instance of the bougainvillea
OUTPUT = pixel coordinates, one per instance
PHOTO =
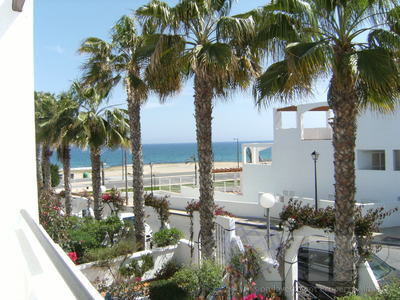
(160, 205)
(296, 215)
(114, 200)
(52, 219)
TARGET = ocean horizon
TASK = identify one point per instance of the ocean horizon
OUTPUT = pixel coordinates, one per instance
(159, 153)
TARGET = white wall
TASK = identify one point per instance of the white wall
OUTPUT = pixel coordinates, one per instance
(17, 159)
(292, 169)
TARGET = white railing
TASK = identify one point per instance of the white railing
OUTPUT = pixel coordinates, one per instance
(75, 281)
(227, 182)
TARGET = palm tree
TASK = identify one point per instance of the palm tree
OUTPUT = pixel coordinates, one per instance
(210, 46)
(98, 127)
(327, 39)
(64, 123)
(45, 109)
(127, 58)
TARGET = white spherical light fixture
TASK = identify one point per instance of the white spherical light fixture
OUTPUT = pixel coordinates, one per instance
(103, 189)
(266, 200)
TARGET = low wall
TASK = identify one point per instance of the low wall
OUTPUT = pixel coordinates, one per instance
(96, 271)
(237, 204)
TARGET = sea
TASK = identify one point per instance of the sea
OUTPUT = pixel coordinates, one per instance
(160, 153)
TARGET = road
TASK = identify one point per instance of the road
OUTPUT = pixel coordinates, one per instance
(256, 236)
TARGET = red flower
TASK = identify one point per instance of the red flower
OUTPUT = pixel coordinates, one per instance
(73, 256)
(138, 279)
(106, 197)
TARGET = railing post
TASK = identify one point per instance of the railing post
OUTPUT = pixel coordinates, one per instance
(169, 181)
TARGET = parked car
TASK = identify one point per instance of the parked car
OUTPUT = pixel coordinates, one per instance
(130, 217)
(315, 267)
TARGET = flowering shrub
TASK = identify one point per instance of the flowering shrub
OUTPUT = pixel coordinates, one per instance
(195, 206)
(296, 215)
(52, 219)
(161, 206)
(114, 200)
(73, 256)
(243, 270)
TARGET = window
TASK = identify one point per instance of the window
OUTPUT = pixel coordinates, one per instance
(371, 159)
(396, 160)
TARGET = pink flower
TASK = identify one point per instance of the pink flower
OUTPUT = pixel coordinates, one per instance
(253, 283)
(250, 297)
(73, 256)
(261, 297)
(138, 279)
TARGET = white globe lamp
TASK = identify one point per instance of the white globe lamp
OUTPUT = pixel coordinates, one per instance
(267, 200)
(103, 189)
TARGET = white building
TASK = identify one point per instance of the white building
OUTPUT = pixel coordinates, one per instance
(290, 173)
(33, 266)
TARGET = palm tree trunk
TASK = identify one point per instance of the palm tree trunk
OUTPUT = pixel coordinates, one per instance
(134, 106)
(203, 114)
(46, 154)
(343, 101)
(66, 160)
(96, 182)
(39, 173)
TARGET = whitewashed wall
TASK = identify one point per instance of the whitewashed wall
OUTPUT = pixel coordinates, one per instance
(292, 169)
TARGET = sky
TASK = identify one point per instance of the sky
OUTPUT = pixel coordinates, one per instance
(61, 26)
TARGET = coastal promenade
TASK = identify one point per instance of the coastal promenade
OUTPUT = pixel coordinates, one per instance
(114, 175)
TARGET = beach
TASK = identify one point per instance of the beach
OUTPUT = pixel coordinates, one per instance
(158, 169)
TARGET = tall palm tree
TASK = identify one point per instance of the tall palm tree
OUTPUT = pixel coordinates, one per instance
(63, 124)
(126, 58)
(336, 40)
(211, 47)
(45, 109)
(97, 127)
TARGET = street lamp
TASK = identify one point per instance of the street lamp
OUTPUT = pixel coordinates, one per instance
(267, 200)
(237, 151)
(151, 177)
(126, 177)
(102, 172)
(315, 156)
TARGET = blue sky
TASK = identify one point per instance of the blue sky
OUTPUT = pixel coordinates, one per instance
(60, 27)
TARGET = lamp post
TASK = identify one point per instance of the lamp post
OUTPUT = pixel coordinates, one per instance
(151, 177)
(315, 156)
(237, 151)
(102, 173)
(267, 200)
(126, 177)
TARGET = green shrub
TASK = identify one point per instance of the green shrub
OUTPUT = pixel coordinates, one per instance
(166, 289)
(136, 269)
(166, 237)
(168, 270)
(210, 275)
(388, 292)
(201, 280)
(187, 280)
(88, 233)
(103, 254)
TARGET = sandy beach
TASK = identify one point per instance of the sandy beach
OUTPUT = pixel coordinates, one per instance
(158, 169)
